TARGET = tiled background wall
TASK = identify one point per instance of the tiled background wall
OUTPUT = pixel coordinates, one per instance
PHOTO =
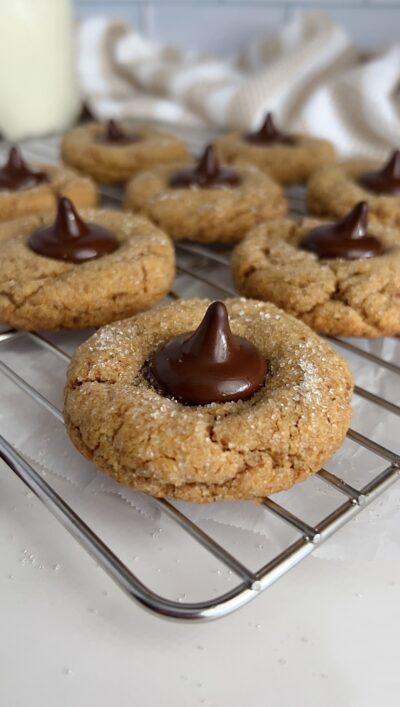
(225, 25)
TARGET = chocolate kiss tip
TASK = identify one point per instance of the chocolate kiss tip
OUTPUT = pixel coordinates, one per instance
(208, 162)
(14, 153)
(269, 121)
(68, 222)
(15, 157)
(357, 220)
(113, 129)
(267, 126)
(213, 334)
(207, 172)
(269, 133)
(392, 166)
(65, 205)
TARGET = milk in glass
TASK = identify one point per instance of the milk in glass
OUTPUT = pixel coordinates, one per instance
(38, 91)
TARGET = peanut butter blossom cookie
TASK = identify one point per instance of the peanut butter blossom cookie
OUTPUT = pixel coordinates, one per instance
(82, 269)
(206, 201)
(208, 402)
(34, 189)
(335, 189)
(111, 153)
(290, 159)
(341, 278)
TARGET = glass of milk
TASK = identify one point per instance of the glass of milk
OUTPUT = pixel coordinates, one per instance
(38, 90)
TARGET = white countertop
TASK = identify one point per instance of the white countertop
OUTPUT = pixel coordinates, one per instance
(326, 634)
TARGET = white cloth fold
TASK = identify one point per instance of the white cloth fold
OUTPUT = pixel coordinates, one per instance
(308, 74)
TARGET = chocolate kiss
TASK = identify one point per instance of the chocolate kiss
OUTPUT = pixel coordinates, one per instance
(268, 133)
(115, 134)
(16, 175)
(386, 180)
(346, 238)
(207, 173)
(70, 238)
(210, 365)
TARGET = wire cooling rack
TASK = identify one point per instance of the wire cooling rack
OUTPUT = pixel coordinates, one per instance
(204, 271)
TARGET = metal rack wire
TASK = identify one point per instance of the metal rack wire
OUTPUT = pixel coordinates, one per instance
(209, 266)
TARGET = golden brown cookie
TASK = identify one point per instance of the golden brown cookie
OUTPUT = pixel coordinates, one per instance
(42, 197)
(335, 296)
(38, 292)
(214, 213)
(290, 159)
(115, 162)
(334, 189)
(219, 451)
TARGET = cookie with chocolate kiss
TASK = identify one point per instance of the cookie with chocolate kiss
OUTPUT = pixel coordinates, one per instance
(206, 201)
(288, 158)
(341, 278)
(34, 188)
(335, 189)
(180, 434)
(112, 152)
(81, 268)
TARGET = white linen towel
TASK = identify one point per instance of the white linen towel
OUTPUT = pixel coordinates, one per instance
(308, 74)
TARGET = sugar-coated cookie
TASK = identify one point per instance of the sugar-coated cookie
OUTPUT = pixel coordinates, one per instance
(206, 202)
(242, 449)
(121, 266)
(356, 296)
(335, 189)
(34, 189)
(290, 159)
(112, 153)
